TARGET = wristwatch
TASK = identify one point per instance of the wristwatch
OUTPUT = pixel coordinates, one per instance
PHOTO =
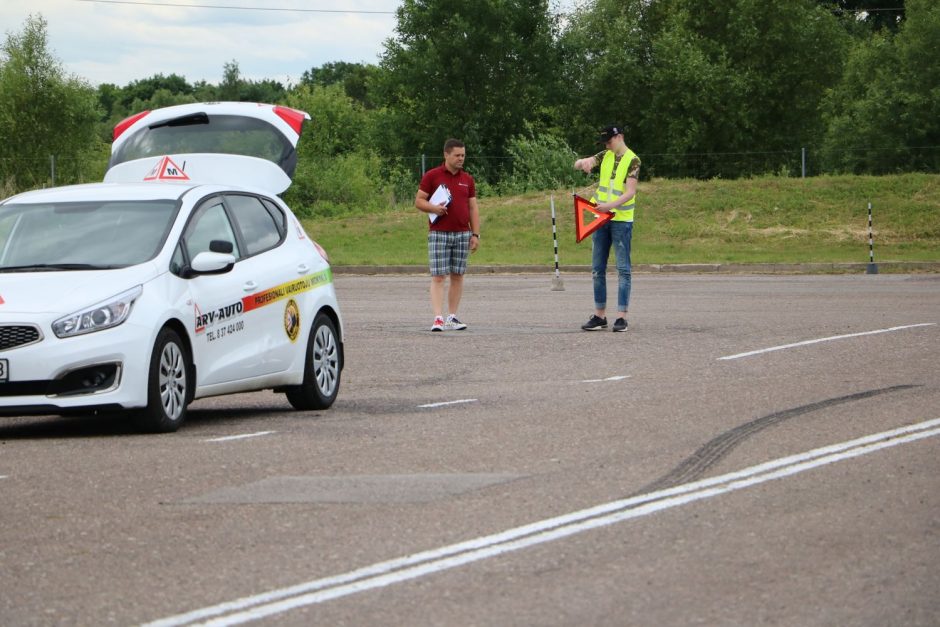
(476, 235)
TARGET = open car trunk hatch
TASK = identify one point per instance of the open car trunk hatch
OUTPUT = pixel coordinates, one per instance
(229, 143)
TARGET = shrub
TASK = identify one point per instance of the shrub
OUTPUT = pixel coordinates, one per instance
(538, 163)
(329, 186)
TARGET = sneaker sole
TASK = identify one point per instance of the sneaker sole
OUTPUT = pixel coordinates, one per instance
(594, 328)
(619, 330)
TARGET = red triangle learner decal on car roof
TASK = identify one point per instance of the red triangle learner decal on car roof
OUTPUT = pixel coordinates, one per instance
(166, 170)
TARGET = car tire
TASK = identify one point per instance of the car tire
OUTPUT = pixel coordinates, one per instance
(168, 384)
(322, 369)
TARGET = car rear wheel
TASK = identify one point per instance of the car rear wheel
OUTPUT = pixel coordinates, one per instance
(322, 370)
(167, 386)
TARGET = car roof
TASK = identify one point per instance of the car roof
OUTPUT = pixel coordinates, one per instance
(101, 192)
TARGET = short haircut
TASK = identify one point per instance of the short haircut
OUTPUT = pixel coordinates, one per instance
(450, 144)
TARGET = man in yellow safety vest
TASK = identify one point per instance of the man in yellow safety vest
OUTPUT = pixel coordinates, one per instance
(616, 192)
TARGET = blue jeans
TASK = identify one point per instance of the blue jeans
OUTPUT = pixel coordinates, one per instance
(618, 235)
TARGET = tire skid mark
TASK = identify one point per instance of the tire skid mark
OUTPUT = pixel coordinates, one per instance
(717, 448)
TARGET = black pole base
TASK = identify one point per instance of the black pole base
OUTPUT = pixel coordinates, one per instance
(872, 268)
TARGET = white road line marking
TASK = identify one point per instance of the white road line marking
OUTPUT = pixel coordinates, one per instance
(465, 400)
(825, 339)
(417, 565)
(616, 378)
(243, 436)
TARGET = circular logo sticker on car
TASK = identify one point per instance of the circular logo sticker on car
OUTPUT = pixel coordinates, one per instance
(292, 320)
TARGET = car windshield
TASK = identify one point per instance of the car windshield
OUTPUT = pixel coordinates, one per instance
(200, 133)
(82, 235)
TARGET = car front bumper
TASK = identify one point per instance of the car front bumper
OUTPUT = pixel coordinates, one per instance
(106, 370)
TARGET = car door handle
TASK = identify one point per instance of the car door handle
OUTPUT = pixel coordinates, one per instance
(250, 286)
(303, 268)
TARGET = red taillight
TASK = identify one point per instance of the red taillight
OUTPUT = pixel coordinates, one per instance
(126, 123)
(293, 117)
(321, 251)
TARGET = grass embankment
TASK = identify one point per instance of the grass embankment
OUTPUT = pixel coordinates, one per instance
(761, 220)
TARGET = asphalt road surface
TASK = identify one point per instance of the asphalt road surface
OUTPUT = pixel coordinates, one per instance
(755, 450)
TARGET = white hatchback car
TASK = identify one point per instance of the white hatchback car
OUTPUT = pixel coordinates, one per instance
(182, 276)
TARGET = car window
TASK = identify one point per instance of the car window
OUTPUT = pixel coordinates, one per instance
(178, 260)
(200, 133)
(210, 223)
(277, 214)
(92, 233)
(6, 227)
(259, 228)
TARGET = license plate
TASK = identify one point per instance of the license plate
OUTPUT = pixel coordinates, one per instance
(4, 370)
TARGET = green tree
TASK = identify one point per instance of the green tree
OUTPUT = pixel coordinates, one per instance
(884, 114)
(109, 96)
(266, 90)
(741, 77)
(231, 86)
(539, 161)
(603, 70)
(336, 168)
(339, 123)
(354, 77)
(690, 79)
(143, 90)
(874, 14)
(477, 71)
(116, 103)
(44, 113)
(234, 88)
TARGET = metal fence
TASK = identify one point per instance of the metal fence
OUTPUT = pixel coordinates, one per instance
(19, 174)
(799, 162)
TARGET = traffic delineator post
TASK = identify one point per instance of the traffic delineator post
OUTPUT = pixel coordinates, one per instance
(581, 229)
(872, 266)
(557, 284)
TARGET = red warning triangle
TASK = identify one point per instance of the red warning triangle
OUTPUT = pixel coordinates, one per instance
(583, 230)
(166, 170)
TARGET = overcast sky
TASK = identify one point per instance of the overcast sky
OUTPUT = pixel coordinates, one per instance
(118, 41)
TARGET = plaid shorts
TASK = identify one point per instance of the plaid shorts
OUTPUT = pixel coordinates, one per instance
(448, 251)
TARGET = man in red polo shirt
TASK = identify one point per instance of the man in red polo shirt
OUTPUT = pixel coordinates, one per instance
(454, 222)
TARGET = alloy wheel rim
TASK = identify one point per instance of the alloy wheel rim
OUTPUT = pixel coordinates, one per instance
(325, 361)
(172, 381)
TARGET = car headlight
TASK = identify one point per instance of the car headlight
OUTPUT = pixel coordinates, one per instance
(104, 315)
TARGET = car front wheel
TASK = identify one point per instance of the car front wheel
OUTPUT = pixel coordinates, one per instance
(167, 386)
(322, 370)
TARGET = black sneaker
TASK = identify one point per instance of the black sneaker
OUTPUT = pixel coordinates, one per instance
(620, 324)
(594, 323)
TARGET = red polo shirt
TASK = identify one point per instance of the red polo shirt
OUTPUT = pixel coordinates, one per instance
(462, 189)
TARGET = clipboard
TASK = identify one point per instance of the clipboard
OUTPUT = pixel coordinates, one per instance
(440, 195)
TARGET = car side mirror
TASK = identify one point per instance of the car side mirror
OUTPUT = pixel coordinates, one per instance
(221, 246)
(212, 263)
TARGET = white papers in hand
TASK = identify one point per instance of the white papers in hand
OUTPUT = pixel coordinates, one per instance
(441, 195)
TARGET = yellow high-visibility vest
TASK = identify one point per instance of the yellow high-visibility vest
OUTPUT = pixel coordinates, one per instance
(612, 186)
